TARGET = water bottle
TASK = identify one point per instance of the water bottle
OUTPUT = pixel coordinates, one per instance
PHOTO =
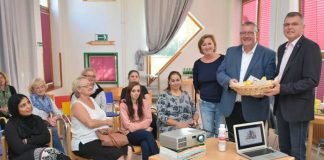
(222, 138)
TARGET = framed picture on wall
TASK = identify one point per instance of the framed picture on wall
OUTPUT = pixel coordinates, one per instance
(105, 64)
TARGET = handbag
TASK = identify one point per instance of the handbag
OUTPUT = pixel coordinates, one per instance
(112, 137)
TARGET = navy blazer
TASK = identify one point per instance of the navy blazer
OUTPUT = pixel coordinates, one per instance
(299, 79)
(263, 63)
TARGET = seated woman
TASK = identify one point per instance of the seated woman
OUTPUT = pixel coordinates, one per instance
(175, 107)
(46, 109)
(86, 118)
(26, 134)
(136, 118)
(133, 76)
(97, 93)
(5, 92)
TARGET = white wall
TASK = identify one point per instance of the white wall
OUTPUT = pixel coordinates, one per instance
(75, 22)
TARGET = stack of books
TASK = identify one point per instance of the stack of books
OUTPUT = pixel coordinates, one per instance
(184, 154)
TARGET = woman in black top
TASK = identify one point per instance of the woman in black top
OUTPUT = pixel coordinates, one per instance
(133, 76)
(26, 134)
(206, 85)
(5, 92)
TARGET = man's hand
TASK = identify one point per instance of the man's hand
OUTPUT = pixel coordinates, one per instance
(232, 82)
(274, 91)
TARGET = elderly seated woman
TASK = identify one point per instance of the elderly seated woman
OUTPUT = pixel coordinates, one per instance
(86, 118)
(175, 107)
(6, 91)
(46, 109)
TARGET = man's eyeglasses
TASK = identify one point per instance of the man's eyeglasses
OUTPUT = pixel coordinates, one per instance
(291, 24)
(247, 33)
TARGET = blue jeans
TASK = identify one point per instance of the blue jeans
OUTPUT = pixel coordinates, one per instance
(146, 140)
(211, 117)
(292, 136)
(56, 140)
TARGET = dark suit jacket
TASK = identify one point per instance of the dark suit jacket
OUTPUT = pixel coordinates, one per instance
(299, 79)
(263, 63)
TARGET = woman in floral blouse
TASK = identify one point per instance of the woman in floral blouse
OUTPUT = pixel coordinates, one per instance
(175, 107)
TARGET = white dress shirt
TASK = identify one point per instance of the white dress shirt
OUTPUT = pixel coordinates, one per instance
(245, 62)
(285, 58)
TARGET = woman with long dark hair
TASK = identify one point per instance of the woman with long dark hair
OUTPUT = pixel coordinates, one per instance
(136, 118)
(134, 76)
(175, 107)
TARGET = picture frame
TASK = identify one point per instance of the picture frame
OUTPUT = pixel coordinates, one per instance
(105, 64)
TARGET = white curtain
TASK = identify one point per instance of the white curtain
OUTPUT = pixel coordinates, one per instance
(163, 19)
(17, 42)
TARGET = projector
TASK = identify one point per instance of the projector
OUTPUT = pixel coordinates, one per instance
(182, 138)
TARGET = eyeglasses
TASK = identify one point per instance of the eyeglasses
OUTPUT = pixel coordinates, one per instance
(247, 33)
(291, 24)
(90, 76)
(86, 86)
(40, 87)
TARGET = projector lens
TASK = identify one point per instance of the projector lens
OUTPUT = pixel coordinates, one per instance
(201, 138)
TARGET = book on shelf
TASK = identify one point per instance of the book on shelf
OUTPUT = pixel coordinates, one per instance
(185, 154)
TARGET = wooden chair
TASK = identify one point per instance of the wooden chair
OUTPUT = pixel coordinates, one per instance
(5, 147)
(69, 147)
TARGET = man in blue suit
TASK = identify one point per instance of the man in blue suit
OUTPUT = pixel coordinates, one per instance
(241, 62)
(298, 73)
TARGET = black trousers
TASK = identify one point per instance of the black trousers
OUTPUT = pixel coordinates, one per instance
(94, 150)
(236, 117)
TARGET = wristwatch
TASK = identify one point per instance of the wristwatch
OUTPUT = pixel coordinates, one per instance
(24, 141)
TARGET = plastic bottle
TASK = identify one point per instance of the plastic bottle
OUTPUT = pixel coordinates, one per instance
(222, 138)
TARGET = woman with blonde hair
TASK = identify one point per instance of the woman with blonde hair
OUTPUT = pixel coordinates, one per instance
(97, 93)
(6, 91)
(206, 85)
(46, 109)
(86, 118)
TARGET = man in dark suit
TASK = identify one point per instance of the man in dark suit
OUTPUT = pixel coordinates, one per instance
(298, 73)
(241, 62)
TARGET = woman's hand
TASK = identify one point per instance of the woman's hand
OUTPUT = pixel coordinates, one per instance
(194, 123)
(109, 122)
(182, 125)
(149, 129)
(4, 109)
(52, 121)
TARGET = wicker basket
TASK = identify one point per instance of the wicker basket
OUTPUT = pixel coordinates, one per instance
(251, 90)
